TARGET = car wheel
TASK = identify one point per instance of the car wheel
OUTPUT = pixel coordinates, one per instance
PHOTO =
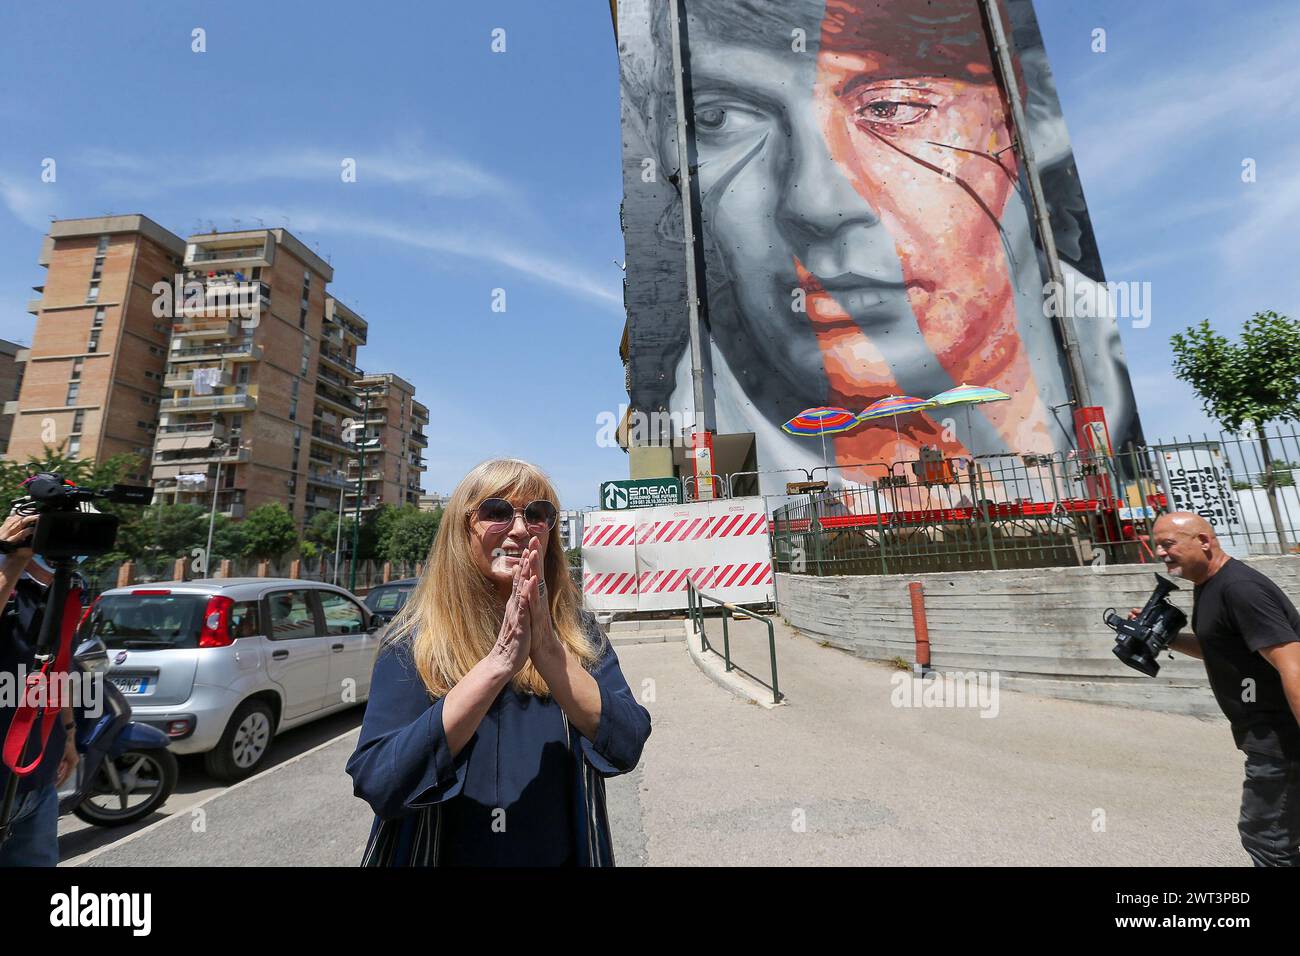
(129, 788)
(244, 745)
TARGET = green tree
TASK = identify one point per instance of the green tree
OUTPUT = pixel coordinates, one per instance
(1255, 380)
(270, 531)
(322, 532)
(409, 535)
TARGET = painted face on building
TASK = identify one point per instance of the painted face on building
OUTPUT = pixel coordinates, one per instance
(854, 194)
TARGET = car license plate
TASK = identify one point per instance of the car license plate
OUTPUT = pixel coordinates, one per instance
(131, 685)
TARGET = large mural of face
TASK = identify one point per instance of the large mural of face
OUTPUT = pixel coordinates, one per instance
(866, 227)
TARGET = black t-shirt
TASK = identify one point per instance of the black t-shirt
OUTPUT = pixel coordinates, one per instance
(20, 625)
(1237, 612)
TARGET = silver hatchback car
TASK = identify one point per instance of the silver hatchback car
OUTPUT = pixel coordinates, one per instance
(222, 665)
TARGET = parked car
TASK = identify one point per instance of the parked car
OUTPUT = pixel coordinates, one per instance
(223, 665)
(387, 599)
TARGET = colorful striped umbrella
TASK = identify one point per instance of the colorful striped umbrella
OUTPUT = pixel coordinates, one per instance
(891, 407)
(965, 394)
(969, 395)
(819, 421)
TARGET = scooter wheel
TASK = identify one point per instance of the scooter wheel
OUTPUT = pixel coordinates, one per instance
(152, 775)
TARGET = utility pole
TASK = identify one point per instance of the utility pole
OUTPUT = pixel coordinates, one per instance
(701, 341)
(1025, 151)
(338, 525)
(222, 447)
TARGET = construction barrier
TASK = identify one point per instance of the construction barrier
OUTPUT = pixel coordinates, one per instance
(641, 560)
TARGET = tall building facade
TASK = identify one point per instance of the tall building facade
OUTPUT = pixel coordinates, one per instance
(92, 378)
(242, 373)
(393, 434)
(10, 381)
(219, 361)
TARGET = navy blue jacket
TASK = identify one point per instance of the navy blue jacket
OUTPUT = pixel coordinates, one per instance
(527, 789)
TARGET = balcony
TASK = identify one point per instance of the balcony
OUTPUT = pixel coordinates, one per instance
(230, 253)
(164, 467)
(34, 305)
(225, 297)
(334, 377)
(331, 481)
(333, 441)
(196, 402)
(186, 379)
(223, 329)
(242, 351)
(207, 430)
(419, 439)
(349, 407)
(338, 359)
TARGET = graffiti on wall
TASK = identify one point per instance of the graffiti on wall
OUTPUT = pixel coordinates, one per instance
(866, 227)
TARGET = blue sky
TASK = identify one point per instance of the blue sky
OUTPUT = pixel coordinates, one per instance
(479, 170)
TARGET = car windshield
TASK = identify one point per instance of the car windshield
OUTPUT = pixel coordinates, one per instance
(389, 599)
(147, 621)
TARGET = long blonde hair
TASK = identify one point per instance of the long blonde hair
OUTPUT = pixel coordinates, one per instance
(454, 614)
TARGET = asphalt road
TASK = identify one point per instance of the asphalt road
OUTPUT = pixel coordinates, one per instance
(839, 775)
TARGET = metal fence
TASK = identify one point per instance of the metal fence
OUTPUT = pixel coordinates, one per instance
(996, 512)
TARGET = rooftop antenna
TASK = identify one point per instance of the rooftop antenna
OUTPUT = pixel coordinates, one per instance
(260, 222)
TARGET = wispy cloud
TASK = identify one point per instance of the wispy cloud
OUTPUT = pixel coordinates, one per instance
(30, 201)
(463, 244)
(1136, 129)
(408, 166)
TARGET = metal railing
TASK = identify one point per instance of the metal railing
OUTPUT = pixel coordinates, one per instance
(999, 512)
(695, 606)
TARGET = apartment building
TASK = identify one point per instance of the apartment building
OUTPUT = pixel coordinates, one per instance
(220, 361)
(10, 380)
(91, 380)
(394, 440)
(335, 424)
(243, 374)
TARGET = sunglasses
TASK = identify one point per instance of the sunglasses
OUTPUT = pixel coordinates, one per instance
(498, 514)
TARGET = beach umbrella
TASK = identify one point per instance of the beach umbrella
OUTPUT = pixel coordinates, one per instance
(891, 407)
(969, 395)
(822, 420)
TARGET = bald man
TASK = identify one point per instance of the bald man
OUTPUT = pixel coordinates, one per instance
(1248, 634)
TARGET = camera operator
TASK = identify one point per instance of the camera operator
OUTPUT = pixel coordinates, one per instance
(1248, 634)
(33, 838)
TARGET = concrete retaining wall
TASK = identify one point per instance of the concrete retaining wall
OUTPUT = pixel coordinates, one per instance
(1040, 629)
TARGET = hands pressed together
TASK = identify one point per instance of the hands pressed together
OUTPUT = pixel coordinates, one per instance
(526, 633)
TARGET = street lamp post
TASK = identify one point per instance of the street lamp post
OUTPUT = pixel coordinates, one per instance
(338, 525)
(221, 449)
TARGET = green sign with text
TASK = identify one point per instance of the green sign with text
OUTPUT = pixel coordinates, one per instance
(640, 493)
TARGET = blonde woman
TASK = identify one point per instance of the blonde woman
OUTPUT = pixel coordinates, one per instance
(497, 706)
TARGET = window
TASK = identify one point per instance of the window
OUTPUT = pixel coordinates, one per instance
(244, 369)
(302, 319)
(92, 294)
(290, 615)
(245, 621)
(98, 271)
(74, 447)
(98, 321)
(76, 371)
(293, 410)
(102, 246)
(74, 388)
(93, 344)
(78, 419)
(342, 616)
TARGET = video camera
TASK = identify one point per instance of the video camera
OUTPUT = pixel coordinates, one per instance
(68, 525)
(1138, 642)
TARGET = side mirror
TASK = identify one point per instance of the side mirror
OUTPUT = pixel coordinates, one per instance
(92, 654)
(376, 622)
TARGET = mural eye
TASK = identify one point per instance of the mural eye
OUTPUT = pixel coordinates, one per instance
(893, 112)
(724, 119)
